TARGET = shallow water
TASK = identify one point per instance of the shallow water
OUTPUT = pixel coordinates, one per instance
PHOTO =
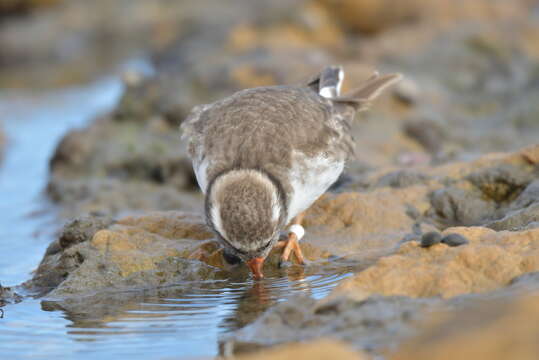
(173, 322)
(34, 124)
(180, 321)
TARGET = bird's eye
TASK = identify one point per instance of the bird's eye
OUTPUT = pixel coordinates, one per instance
(230, 257)
(240, 251)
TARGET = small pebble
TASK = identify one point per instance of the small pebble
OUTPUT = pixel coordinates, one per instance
(454, 240)
(430, 238)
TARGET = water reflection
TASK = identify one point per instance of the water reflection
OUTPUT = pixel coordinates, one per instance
(190, 316)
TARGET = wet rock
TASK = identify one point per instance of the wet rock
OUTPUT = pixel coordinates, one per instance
(124, 151)
(456, 206)
(8, 296)
(454, 240)
(484, 191)
(501, 183)
(402, 178)
(81, 230)
(526, 279)
(113, 196)
(461, 170)
(488, 262)
(144, 251)
(517, 219)
(430, 238)
(315, 350)
(112, 166)
(427, 132)
(488, 330)
(529, 196)
(369, 325)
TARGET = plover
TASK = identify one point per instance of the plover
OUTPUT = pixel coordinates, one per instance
(262, 156)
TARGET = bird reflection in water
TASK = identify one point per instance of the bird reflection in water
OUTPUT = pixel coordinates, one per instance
(193, 315)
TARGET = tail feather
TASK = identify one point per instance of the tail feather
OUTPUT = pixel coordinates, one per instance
(372, 88)
(328, 84)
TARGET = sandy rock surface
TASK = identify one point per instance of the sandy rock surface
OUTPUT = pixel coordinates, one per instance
(318, 350)
(489, 262)
(490, 330)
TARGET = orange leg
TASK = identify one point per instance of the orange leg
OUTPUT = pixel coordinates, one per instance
(291, 244)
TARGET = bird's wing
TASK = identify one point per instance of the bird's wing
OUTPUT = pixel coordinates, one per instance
(192, 130)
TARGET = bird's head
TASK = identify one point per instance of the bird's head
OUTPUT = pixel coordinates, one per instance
(245, 208)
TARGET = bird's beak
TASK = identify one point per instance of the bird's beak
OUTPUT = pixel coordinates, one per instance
(255, 265)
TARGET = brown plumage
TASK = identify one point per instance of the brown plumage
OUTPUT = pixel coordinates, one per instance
(264, 155)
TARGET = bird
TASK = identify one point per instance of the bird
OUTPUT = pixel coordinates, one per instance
(262, 156)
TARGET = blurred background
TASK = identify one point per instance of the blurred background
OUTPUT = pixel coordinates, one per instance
(92, 94)
(471, 80)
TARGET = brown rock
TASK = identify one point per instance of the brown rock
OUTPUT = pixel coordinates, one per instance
(371, 16)
(8, 7)
(360, 225)
(363, 324)
(531, 154)
(149, 250)
(123, 162)
(317, 350)
(137, 251)
(304, 27)
(489, 262)
(459, 169)
(487, 331)
(8, 296)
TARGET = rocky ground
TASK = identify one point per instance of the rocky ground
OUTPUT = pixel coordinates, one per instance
(437, 216)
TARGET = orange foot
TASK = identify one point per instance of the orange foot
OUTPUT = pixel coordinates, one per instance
(291, 245)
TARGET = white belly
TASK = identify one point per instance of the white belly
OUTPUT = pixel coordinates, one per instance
(310, 178)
